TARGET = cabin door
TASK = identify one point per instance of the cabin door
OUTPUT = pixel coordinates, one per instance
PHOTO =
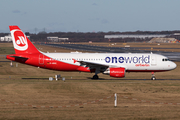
(41, 59)
(153, 60)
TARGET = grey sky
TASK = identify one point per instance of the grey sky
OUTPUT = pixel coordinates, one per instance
(90, 15)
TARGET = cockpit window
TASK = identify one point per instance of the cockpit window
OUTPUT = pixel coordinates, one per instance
(165, 59)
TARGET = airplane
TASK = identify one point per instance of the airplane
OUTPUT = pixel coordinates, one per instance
(113, 64)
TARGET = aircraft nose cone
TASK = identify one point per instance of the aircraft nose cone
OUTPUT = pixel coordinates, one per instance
(173, 65)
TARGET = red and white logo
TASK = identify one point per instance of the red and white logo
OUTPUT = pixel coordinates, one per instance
(19, 40)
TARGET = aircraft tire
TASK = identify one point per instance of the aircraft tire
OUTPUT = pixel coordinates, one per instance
(153, 78)
(95, 77)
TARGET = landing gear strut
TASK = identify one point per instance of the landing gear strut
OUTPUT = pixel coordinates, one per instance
(153, 76)
(96, 72)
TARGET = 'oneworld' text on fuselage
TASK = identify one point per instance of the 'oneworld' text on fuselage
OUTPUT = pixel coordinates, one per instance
(134, 59)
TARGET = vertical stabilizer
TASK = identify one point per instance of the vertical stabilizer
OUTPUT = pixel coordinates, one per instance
(22, 45)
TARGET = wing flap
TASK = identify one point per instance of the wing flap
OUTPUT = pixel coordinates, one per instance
(93, 65)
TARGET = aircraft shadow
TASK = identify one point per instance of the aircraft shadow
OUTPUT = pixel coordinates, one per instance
(37, 78)
(90, 78)
(128, 79)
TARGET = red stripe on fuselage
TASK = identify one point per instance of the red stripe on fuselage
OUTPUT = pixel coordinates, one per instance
(47, 62)
(50, 63)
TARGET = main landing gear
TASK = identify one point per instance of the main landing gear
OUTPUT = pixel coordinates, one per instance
(95, 77)
(153, 76)
(96, 72)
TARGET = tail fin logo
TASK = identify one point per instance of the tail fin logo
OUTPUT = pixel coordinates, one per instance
(19, 40)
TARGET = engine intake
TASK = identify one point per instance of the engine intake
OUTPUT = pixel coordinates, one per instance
(116, 72)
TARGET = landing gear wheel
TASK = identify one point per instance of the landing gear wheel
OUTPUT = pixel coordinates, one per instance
(95, 77)
(153, 78)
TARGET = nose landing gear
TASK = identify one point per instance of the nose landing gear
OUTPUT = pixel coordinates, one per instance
(153, 76)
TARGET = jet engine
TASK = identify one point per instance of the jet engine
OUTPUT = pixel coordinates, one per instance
(115, 72)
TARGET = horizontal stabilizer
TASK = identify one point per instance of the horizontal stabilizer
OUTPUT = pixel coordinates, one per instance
(18, 57)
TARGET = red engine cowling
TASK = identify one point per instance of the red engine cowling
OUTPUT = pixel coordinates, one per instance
(117, 72)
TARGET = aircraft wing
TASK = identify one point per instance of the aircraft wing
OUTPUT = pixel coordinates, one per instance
(101, 67)
(92, 65)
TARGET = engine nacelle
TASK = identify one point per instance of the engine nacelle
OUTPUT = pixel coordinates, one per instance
(116, 72)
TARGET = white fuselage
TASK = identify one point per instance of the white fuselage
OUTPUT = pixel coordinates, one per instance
(130, 61)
